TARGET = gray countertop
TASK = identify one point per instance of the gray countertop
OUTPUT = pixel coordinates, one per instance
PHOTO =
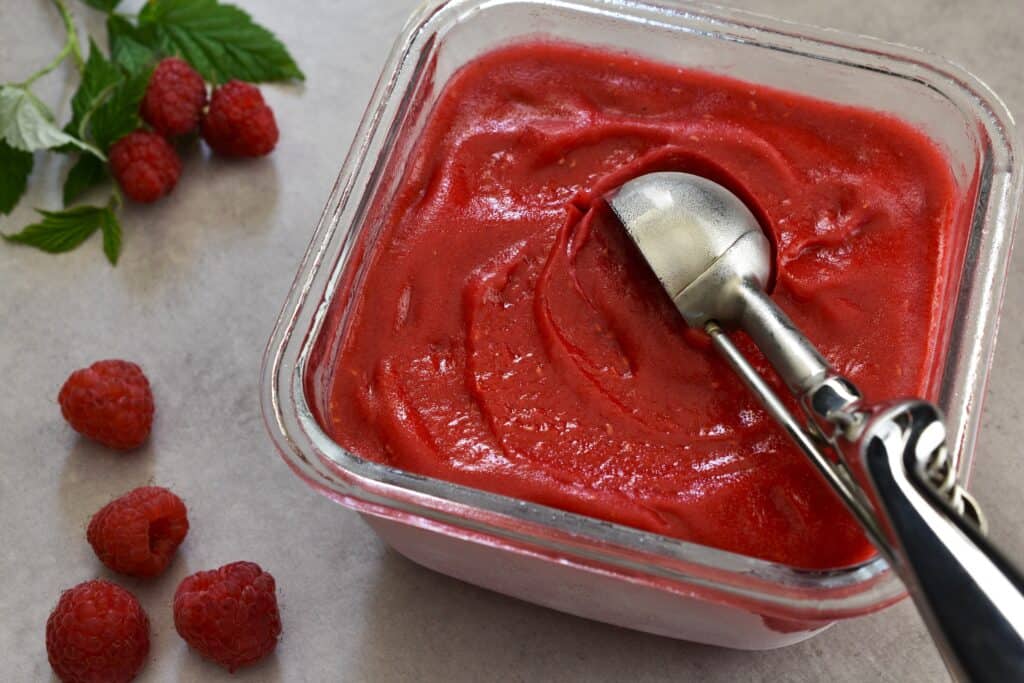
(201, 280)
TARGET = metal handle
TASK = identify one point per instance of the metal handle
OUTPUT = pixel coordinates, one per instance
(836, 478)
(898, 481)
(970, 596)
(794, 357)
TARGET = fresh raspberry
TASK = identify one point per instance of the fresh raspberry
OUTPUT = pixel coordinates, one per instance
(145, 165)
(239, 123)
(174, 98)
(229, 614)
(97, 633)
(138, 533)
(110, 402)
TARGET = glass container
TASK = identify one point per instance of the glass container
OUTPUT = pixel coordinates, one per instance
(571, 562)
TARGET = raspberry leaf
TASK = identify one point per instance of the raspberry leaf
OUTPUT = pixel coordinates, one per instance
(133, 56)
(16, 165)
(118, 115)
(111, 230)
(61, 231)
(103, 5)
(220, 40)
(87, 173)
(99, 79)
(127, 47)
(27, 124)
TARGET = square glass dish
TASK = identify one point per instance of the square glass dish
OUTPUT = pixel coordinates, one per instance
(571, 562)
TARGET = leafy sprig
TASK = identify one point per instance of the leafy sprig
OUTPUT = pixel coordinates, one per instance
(221, 41)
(26, 124)
(61, 231)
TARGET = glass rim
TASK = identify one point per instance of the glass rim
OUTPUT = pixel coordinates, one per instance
(671, 563)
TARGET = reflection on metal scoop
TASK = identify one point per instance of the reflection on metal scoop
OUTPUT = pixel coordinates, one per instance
(710, 254)
(889, 464)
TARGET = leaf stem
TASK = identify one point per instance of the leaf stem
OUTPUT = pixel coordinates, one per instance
(69, 26)
(71, 47)
(116, 201)
(100, 98)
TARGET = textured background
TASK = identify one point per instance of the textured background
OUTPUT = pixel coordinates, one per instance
(200, 282)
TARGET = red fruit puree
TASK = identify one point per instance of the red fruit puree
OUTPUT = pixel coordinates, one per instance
(505, 336)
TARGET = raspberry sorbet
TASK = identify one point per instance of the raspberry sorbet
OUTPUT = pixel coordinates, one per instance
(504, 335)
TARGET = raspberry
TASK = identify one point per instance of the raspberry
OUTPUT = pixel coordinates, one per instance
(229, 614)
(174, 98)
(145, 165)
(239, 123)
(138, 533)
(97, 633)
(109, 402)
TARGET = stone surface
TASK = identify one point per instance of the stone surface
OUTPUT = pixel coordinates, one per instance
(194, 299)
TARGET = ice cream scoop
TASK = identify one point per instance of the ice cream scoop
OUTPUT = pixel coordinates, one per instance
(890, 463)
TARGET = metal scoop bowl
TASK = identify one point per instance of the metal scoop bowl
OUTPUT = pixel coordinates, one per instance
(890, 464)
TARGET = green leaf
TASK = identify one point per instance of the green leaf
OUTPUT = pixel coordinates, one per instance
(99, 78)
(61, 231)
(103, 5)
(221, 41)
(119, 28)
(111, 229)
(133, 56)
(126, 45)
(87, 173)
(119, 113)
(16, 165)
(27, 124)
(106, 104)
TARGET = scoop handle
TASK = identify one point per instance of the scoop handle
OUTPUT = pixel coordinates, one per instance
(969, 595)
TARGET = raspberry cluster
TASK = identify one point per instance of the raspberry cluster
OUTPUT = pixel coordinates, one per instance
(98, 632)
(235, 122)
